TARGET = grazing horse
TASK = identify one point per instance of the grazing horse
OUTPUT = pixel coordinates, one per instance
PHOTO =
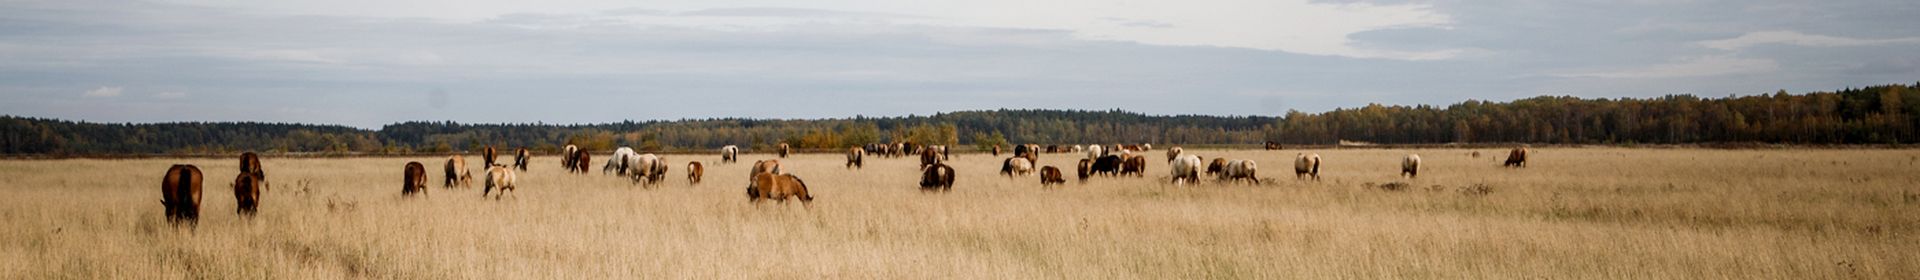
(457, 173)
(1134, 164)
(1016, 166)
(854, 157)
(1273, 145)
(1094, 152)
(580, 160)
(180, 193)
(566, 156)
(486, 156)
(1517, 157)
(771, 166)
(415, 176)
(936, 177)
(729, 153)
(1216, 166)
(929, 157)
(1410, 166)
(1108, 165)
(1186, 169)
(694, 171)
(1240, 169)
(785, 149)
(778, 187)
(1306, 164)
(520, 157)
(617, 163)
(647, 166)
(498, 176)
(250, 163)
(1085, 169)
(1050, 175)
(246, 192)
(996, 150)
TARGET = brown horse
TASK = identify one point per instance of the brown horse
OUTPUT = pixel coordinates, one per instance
(1517, 157)
(785, 149)
(486, 157)
(1217, 165)
(520, 157)
(694, 171)
(180, 193)
(580, 160)
(1134, 164)
(936, 177)
(1085, 170)
(778, 187)
(929, 157)
(246, 192)
(1050, 175)
(250, 163)
(854, 157)
(415, 176)
(771, 166)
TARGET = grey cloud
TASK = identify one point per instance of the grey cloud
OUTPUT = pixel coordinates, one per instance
(570, 68)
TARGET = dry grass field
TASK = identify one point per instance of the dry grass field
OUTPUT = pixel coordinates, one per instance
(1602, 213)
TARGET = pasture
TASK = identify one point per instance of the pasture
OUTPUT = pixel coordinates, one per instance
(1604, 213)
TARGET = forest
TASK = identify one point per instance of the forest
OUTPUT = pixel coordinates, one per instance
(1884, 114)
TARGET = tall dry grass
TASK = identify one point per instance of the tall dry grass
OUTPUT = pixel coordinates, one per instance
(1574, 213)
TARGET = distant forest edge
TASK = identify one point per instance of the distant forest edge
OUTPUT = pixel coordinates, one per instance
(1872, 115)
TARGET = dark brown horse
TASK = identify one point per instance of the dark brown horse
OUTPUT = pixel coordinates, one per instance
(415, 176)
(250, 163)
(1517, 157)
(936, 177)
(246, 191)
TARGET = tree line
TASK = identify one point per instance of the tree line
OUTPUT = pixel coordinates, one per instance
(1884, 114)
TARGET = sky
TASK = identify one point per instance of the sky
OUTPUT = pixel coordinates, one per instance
(368, 63)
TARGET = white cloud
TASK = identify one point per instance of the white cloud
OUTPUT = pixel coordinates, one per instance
(1798, 39)
(1297, 26)
(1716, 65)
(104, 92)
(170, 95)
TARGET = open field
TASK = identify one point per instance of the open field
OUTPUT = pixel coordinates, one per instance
(1574, 213)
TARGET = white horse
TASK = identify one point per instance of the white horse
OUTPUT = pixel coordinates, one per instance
(1307, 164)
(646, 166)
(1240, 169)
(616, 162)
(1410, 166)
(1186, 169)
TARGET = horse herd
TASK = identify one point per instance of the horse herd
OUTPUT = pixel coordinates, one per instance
(180, 187)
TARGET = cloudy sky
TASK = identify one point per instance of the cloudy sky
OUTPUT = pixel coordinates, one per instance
(372, 62)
